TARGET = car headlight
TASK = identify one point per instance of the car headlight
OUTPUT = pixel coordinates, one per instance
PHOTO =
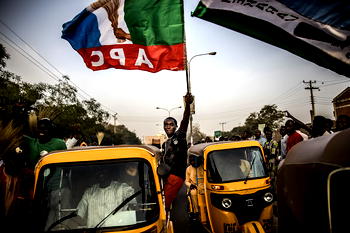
(226, 203)
(268, 197)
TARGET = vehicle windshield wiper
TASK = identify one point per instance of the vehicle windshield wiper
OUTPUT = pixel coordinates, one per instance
(250, 168)
(126, 201)
(71, 215)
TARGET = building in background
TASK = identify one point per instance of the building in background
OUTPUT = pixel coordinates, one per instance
(341, 103)
(156, 140)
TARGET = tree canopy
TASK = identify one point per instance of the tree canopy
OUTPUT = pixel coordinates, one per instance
(197, 135)
(60, 103)
(268, 115)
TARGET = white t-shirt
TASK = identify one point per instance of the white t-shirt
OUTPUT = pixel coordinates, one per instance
(284, 146)
(97, 202)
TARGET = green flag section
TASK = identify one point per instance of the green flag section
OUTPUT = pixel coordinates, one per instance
(318, 31)
(129, 34)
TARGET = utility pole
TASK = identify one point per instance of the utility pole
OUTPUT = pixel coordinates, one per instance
(311, 88)
(222, 126)
(115, 120)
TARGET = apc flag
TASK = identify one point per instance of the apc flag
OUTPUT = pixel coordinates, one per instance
(129, 34)
(316, 30)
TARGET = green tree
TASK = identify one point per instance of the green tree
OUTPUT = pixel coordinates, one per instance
(268, 115)
(58, 102)
(3, 57)
(59, 94)
(271, 116)
(95, 111)
(239, 131)
(122, 135)
(17, 98)
(197, 135)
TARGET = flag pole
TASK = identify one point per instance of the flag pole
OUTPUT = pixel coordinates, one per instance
(188, 82)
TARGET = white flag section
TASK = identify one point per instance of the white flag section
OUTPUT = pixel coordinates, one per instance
(306, 30)
(127, 34)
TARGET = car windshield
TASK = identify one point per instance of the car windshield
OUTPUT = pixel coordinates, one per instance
(82, 195)
(235, 164)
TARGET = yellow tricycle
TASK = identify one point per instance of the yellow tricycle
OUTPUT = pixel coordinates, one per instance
(232, 188)
(99, 189)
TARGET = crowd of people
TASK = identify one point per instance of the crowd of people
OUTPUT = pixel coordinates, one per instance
(176, 171)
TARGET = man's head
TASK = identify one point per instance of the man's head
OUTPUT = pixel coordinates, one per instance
(131, 169)
(343, 122)
(318, 126)
(290, 127)
(44, 130)
(257, 134)
(195, 161)
(103, 177)
(268, 133)
(283, 130)
(245, 135)
(170, 126)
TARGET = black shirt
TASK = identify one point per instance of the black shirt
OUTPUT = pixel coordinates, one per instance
(175, 153)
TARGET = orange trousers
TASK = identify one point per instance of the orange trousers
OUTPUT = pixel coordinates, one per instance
(171, 187)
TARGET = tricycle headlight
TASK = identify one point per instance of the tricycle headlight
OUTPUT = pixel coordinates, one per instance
(268, 197)
(226, 203)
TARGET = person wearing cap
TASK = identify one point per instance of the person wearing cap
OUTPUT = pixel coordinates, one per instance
(36, 147)
(43, 143)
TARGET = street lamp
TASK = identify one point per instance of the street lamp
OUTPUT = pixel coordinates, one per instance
(189, 85)
(115, 119)
(188, 72)
(168, 110)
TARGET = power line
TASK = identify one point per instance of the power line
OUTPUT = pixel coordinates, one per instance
(29, 59)
(335, 80)
(332, 84)
(288, 93)
(38, 54)
(292, 105)
(30, 46)
(34, 61)
(44, 67)
(297, 99)
(311, 88)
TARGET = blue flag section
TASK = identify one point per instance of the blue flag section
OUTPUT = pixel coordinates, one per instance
(316, 30)
(82, 31)
(127, 34)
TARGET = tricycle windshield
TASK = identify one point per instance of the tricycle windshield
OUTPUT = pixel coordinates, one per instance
(97, 195)
(235, 164)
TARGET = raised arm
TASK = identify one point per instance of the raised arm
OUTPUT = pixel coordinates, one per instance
(298, 122)
(187, 113)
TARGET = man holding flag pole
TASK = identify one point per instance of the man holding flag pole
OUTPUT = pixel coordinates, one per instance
(175, 153)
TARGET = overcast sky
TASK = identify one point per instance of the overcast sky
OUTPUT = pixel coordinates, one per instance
(245, 75)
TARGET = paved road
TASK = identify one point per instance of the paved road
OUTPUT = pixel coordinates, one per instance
(179, 215)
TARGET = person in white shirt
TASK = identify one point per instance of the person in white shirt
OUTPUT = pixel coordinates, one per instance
(283, 143)
(259, 137)
(102, 198)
